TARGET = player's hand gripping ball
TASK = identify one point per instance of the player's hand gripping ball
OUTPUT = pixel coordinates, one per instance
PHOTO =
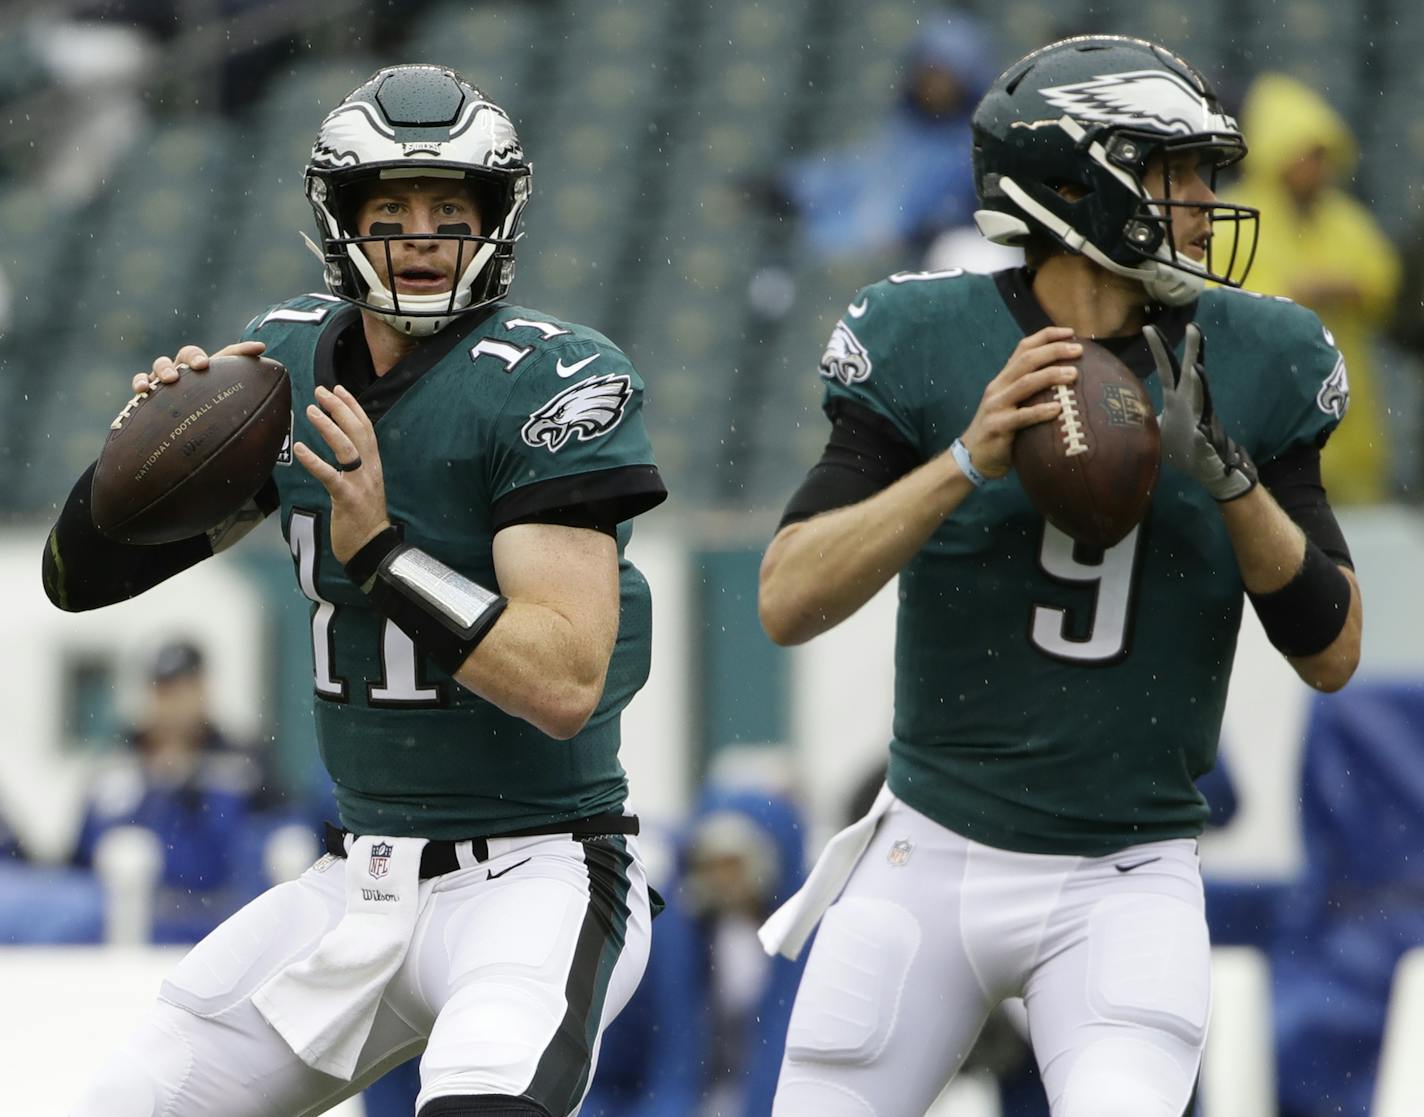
(1091, 470)
(191, 449)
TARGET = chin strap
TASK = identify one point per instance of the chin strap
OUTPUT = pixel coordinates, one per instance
(1163, 282)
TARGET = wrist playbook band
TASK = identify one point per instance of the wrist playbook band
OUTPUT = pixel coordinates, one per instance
(1306, 614)
(965, 462)
(444, 613)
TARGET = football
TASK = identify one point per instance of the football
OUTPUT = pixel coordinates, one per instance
(185, 456)
(1091, 470)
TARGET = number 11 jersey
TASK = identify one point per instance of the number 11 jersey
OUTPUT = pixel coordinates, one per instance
(505, 416)
(1050, 698)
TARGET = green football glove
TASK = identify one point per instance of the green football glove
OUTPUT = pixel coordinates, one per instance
(1192, 436)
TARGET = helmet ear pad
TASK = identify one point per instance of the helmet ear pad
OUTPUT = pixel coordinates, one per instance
(1098, 205)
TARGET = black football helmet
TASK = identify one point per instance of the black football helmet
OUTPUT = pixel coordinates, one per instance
(408, 122)
(1089, 113)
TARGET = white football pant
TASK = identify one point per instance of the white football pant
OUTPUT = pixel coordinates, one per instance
(1110, 955)
(515, 968)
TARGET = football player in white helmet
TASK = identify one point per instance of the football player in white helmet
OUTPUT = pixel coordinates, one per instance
(467, 472)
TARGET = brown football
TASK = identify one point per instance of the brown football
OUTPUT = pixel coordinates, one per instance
(1091, 470)
(184, 457)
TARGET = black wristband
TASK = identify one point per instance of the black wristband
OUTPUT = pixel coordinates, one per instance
(1306, 614)
(445, 614)
(362, 566)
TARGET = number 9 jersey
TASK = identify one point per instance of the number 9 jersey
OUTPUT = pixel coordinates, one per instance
(1052, 698)
(503, 417)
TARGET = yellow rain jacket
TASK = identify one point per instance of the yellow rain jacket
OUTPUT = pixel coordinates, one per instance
(1336, 241)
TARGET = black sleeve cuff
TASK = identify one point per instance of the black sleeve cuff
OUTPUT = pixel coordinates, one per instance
(83, 569)
(866, 453)
(605, 497)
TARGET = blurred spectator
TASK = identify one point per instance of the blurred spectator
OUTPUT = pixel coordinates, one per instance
(1322, 248)
(182, 779)
(1358, 904)
(911, 178)
(703, 1036)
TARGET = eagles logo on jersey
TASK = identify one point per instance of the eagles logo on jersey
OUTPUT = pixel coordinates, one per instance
(590, 408)
(845, 358)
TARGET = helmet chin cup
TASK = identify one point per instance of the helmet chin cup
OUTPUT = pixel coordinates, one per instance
(413, 327)
(1171, 286)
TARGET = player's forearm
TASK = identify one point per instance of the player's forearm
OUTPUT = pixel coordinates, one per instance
(1269, 546)
(818, 572)
(1271, 552)
(538, 665)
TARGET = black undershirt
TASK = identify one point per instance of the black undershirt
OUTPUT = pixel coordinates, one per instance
(866, 454)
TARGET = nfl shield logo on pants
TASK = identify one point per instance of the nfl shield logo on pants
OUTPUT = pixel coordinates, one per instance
(380, 860)
(900, 852)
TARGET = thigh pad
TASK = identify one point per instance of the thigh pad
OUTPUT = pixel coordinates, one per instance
(851, 991)
(229, 965)
(1150, 965)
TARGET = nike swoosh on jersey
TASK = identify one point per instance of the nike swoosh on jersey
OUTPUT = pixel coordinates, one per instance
(1136, 864)
(493, 875)
(568, 370)
(857, 310)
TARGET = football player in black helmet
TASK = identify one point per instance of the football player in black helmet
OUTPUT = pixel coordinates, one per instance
(1085, 142)
(456, 499)
(1054, 704)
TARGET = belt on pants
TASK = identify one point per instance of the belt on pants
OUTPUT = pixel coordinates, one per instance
(445, 856)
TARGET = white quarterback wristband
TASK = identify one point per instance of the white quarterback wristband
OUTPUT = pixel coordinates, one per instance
(966, 463)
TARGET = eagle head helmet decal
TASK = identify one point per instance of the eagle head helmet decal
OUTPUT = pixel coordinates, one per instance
(588, 409)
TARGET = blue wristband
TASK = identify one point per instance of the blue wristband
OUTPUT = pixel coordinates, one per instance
(966, 463)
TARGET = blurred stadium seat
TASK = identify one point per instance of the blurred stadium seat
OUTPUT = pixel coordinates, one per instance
(645, 121)
(142, 253)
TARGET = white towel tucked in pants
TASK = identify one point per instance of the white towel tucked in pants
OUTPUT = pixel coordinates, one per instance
(324, 1004)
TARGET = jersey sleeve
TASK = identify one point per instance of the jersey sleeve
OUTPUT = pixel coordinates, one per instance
(1313, 388)
(570, 437)
(869, 363)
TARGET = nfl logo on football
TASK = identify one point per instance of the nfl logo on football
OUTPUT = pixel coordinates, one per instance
(380, 860)
(899, 854)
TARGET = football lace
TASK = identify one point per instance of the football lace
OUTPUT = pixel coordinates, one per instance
(1072, 421)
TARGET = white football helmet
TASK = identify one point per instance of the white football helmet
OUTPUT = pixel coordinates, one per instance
(409, 122)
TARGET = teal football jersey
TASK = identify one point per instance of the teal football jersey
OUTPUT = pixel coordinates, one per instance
(496, 419)
(1050, 698)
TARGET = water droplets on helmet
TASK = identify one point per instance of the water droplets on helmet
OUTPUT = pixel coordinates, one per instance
(418, 121)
